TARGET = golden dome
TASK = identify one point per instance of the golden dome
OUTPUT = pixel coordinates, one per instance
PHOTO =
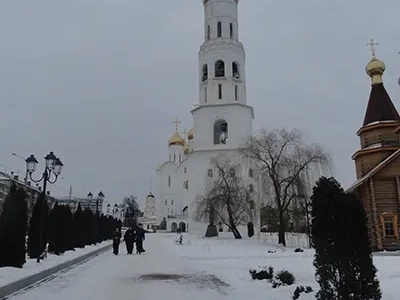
(375, 67)
(176, 139)
(191, 134)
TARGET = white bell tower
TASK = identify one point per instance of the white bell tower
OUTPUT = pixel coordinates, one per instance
(222, 118)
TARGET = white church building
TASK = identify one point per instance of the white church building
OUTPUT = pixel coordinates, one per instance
(222, 120)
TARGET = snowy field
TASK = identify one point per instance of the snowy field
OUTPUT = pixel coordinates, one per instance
(199, 269)
(9, 275)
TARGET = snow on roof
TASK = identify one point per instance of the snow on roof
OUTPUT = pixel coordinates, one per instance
(373, 171)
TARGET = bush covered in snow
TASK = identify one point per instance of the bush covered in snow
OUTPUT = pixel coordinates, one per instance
(301, 289)
(284, 277)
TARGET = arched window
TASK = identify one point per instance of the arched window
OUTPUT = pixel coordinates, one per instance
(184, 170)
(205, 95)
(231, 29)
(235, 70)
(219, 91)
(169, 181)
(251, 188)
(236, 93)
(210, 173)
(180, 158)
(204, 75)
(252, 205)
(219, 69)
(251, 174)
(219, 27)
(208, 32)
(174, 157)
(220, 132)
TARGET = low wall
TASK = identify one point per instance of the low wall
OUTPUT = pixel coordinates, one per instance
(23, 283)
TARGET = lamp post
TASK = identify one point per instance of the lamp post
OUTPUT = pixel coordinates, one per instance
(70, 188)
(90, 197)
(26, 171)
(53, 167)
(100, 198)
(115, 210)
(108, 208)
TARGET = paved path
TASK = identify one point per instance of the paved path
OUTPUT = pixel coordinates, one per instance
(107, 277)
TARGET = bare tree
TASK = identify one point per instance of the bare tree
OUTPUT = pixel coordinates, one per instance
(283, 158)
(226, 195)
(131, 211)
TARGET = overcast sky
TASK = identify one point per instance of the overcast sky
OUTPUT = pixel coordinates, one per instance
(99, 82)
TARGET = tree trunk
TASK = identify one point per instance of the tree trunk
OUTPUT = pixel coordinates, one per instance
(232, 224)
(282, 229)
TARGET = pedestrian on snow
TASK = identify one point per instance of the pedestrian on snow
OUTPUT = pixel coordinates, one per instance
(129, 238)
(139, 239)
(116, 240)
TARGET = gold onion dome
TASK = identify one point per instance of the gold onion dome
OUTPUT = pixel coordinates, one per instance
(176, 139)
(375, 67)
(191, 134)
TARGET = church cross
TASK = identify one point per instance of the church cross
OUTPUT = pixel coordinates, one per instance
(176, 123)
(185, 132)
(372, 44)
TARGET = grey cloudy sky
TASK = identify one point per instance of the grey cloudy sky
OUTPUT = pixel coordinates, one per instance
(100, 81)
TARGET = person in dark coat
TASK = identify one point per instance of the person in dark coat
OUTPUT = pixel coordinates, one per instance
(140, 237)
(129, 238)
(116, 240)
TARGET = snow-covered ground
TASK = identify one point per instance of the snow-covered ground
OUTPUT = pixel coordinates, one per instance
(9, 275)
(200, 269)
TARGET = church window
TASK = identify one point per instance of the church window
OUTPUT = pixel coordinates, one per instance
(180, 158)
(220, 132)
(251, 188)
(219, 27)
(205, 95)
(252, 205)
(204, 75)
(236, 93)
(389, 225)
(170, 157)
(184, 170)
(220, 91)
(231, 29)
(251, 174)
(169, 181)
(210, 173)
(235, 70)
(174, 157)
(208, 32)
(166, 202)
(219, 69)
(172, 202)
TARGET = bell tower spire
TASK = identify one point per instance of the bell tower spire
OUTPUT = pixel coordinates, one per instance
(222, 102)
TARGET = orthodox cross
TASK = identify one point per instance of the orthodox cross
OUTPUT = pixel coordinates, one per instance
(150, 185)
(185, 132)
(176, 123)
(372, 44)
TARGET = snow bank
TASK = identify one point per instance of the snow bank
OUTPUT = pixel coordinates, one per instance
(31, 267)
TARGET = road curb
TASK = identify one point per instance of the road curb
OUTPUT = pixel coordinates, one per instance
(23, 283)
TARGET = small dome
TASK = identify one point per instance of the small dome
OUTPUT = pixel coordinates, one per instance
(191, 134)
(375, 67)
(176, 139)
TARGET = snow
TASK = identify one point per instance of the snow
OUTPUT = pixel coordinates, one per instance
(31, 267)
(215, 269)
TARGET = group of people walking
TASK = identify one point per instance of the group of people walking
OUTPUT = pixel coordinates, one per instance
(130, 237)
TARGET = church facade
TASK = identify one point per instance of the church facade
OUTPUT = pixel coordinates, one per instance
(378, 163)
(222, 121)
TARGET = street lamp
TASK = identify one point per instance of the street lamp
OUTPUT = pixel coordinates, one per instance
(53, 167)
(108, 208)
(70, 188)
(100, 198)
(90, 197)
(115, 210)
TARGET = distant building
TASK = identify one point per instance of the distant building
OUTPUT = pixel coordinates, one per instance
(149, 218)
(6, 181)
(93, 205)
